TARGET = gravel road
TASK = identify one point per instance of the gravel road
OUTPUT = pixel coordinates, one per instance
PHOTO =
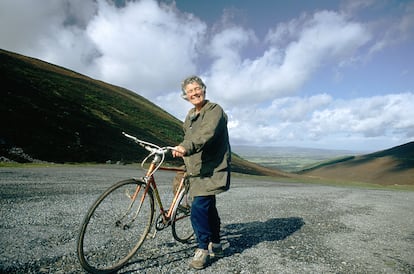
(267, 227)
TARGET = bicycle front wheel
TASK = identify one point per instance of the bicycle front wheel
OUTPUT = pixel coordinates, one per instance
(109, 233)
(182, 229)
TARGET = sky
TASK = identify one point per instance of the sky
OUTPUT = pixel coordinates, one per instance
(320, 74)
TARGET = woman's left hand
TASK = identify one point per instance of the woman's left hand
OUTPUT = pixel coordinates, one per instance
(178, 151)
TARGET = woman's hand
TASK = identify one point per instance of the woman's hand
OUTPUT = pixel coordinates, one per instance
(178, 151)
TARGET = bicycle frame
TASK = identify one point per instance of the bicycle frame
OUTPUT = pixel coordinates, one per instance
(151, 183)
(168, 214)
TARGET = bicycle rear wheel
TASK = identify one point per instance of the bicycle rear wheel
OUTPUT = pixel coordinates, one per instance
(109, 233)
(182, 229)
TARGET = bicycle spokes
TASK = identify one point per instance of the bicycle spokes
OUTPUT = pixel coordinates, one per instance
(181, 222)
(135, 195)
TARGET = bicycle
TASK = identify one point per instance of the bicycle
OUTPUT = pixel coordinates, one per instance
(107, 238)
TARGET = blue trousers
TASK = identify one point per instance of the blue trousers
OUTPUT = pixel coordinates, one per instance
(205, 220)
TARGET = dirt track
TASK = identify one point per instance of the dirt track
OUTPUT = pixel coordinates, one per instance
(267, 227)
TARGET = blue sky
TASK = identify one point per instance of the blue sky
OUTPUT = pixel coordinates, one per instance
(322, 74)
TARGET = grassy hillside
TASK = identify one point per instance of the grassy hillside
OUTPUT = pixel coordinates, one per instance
(61, 116)
(394, 166)
(57, 115)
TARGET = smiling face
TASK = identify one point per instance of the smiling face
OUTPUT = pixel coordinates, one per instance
(195, 94)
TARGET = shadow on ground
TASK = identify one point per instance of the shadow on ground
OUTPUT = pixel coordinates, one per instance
(239, 236)
(242, 236)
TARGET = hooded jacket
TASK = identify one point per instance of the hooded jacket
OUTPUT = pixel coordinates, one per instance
(208, 153)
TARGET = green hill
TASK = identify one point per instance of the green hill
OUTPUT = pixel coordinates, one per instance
(57, 115)
(53, 114)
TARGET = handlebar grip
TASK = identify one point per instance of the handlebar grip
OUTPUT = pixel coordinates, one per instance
(149, 146)
(129, 136)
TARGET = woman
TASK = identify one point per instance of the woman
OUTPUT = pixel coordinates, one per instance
(206, 152)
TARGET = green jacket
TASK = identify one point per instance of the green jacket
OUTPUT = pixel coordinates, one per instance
(208, 155)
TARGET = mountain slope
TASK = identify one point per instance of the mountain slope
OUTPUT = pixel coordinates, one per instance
(57, 115)
(394, 166)
(61, 116)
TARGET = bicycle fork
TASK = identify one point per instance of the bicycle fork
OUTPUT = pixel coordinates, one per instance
(133, 199)
(148, 179)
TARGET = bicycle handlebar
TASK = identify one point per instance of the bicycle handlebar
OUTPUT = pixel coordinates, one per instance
(153, 150)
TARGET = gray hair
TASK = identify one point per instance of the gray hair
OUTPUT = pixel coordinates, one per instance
(190, 80)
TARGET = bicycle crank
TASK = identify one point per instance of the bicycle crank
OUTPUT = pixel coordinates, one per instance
(161, 223)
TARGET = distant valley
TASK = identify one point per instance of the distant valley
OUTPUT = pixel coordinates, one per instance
(289, 159)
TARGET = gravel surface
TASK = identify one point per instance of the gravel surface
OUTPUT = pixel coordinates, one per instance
(267, 227)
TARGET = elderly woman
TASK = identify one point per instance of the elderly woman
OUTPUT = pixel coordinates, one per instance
(206, 152)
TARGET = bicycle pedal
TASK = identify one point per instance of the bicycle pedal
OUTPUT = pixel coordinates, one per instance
(152, 235)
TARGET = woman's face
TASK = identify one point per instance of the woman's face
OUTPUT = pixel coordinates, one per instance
(195, 95)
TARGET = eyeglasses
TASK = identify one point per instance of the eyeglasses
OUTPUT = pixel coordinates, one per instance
(194, 90)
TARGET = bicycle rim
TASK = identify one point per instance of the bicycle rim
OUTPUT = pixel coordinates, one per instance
(181, 222)
(108, 236)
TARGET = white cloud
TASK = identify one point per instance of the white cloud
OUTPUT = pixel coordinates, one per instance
(323, 121)
(52, 31)
(145, 47)
(174, 104)
(390, 30)
(326, 37)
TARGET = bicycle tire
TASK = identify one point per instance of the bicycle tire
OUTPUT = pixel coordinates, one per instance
(182, 229)
(107, 238)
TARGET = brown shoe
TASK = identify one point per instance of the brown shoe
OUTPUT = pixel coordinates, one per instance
(201, 259)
